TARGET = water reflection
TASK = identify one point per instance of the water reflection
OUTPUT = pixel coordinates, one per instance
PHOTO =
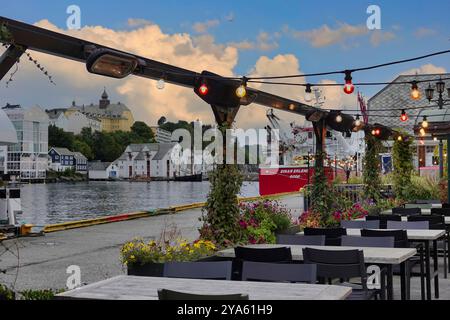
(53, 203)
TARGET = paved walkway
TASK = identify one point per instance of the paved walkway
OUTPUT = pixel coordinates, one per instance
(95, 250)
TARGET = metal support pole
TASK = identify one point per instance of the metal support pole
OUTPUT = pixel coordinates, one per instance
(441, 159)
(448, 166)
(8, 59)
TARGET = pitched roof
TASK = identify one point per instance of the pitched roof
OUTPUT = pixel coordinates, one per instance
(398, 96)
(164, 148)
(98, 166)
(79, 155)
(63, 151)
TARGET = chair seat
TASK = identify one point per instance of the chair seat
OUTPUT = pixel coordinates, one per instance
(361, 295)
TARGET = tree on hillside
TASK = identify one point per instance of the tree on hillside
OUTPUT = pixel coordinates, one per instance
(143, 132)
(57, 137)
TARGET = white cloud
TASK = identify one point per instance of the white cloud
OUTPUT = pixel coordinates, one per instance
(343, 34)
(203, 27)
(147, 103)
(264, 42)
(424, 32)
(425, 69)
(137, 22)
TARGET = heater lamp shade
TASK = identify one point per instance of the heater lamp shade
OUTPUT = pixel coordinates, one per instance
(111, 63)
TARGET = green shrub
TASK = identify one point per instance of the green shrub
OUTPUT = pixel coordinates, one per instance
(46, 294)
(6, 293)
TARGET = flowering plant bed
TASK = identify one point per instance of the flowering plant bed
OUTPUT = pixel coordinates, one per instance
(260, 221)
(357, 211)
(148, 258)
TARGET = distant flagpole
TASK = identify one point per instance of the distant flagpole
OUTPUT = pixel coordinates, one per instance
(363, 108)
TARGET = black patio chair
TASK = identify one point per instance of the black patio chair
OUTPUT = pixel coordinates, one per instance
(332, 235)
(440, 212)
(406, 211)
(408, 225)
(343, 265)
(300, 240)
(437, 222)
(165, 294)
(401, 241)
(276, 272)
(446, 206)
(373, 224)
(376, 242)
(220, 270)
(384, 218)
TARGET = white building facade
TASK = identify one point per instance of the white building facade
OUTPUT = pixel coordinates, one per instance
(161, 135)
(28, 158)
(103, 171)
(153, 160)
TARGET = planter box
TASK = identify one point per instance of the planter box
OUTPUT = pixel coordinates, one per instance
(291, 230)
(147, 270)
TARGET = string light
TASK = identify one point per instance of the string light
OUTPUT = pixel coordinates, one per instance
(422, 132)
(415, 92)
(404, 116)
(339, 118)
(203, 89)
(425, 122)
(349, 88)
(161, 84)
(308, 93)
(400, 138)
(358, 122)
(241, 91)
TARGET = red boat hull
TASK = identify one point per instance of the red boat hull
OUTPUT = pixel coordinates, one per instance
(289, 179)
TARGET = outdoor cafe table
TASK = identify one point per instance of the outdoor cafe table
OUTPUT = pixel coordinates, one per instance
(378, 256)
(146, 288)
(426, 237)
(425, 212)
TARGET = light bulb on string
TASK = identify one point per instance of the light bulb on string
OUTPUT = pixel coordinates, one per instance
(422, 132)
(308, 93)
(161, 84)
(358, 122)
(349, 88)
(241, 91)
(404, 117)
(425, 122)
(203, 89)
(415, 92)
(339, 118)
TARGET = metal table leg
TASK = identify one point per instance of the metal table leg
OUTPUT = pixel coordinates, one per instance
(428, 269)
(390, 282)
(404, 280)
(436, 269)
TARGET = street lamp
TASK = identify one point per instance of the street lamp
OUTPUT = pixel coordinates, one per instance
(440, 88)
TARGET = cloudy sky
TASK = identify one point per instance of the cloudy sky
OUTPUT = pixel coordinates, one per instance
(230, 38)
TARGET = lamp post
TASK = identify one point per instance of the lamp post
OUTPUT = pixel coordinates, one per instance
(440, 88)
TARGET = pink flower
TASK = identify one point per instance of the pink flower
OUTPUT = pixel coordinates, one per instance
(243, 224)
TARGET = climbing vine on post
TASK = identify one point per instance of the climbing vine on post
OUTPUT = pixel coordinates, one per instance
(221, 213)
(372, 166)
(402, 156)
(320, 190)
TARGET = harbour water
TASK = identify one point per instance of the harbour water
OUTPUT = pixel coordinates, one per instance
(44, 204)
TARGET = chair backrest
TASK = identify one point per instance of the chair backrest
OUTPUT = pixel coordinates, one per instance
(300, 240)
(441, 211)
(407, 211)
(384, 218)
(214, 270)
(278, 272)
(165, 294)
(282, 254)
(372, 224)
(400, 236)
(332, 235)
(436, 222)
(380, 242)
(333, 264)
(446, 206)
(408, 225)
